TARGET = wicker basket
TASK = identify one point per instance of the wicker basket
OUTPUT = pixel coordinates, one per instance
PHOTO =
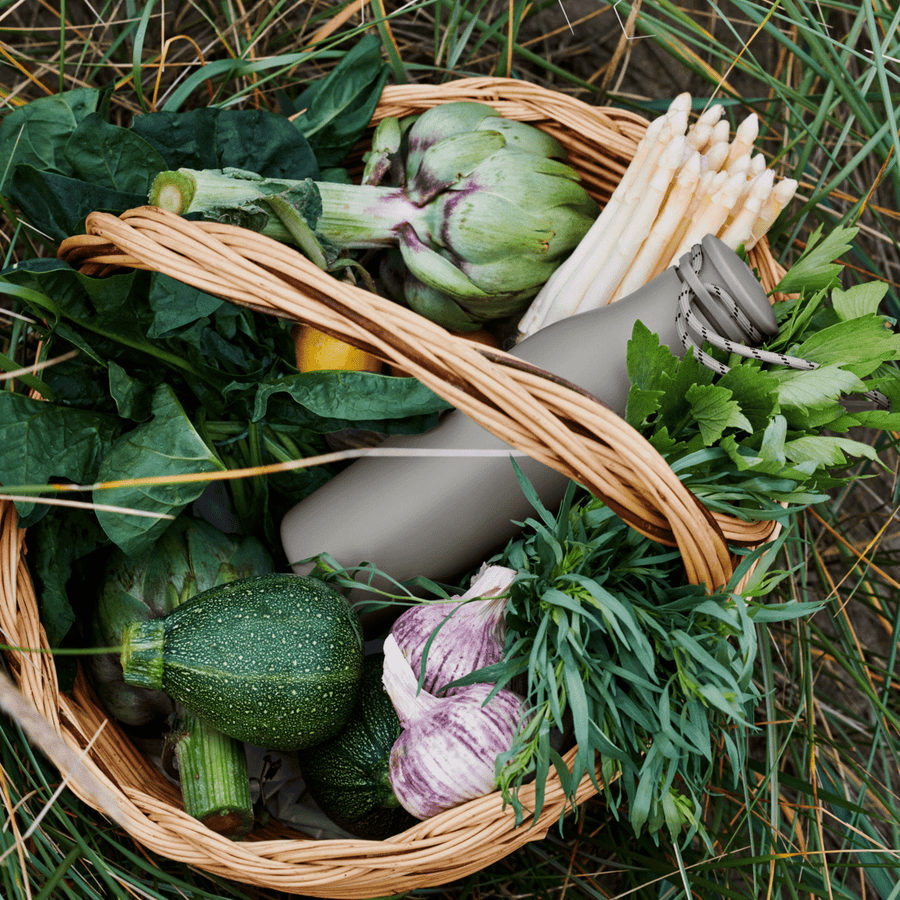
(551, 422)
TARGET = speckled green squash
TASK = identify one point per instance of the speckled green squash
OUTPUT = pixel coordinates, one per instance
(348, 775)
(273, 660)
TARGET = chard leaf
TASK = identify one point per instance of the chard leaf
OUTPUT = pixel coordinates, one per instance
(109, 156)
(42, 441)
(36, 134)
(166, 445)
(209, 138)
(715, 411)
(859, 300)
(825, 450)
(806, 389)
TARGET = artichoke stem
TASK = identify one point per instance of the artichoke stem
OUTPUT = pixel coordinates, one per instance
(355, 216)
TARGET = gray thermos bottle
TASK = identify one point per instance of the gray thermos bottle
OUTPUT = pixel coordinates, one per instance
(439, 517)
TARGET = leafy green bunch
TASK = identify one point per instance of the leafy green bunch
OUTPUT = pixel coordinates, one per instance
(620, 654)
(646, 671)
(764, 434)
(152, 377)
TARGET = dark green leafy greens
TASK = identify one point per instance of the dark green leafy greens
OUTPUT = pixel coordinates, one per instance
(168, 379)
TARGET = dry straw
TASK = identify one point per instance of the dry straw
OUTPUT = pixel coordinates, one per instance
(549, 420)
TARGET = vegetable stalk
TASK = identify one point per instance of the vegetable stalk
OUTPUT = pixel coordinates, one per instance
(215, 786)
(350, 215)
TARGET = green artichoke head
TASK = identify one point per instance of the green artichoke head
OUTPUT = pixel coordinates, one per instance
(496, 211)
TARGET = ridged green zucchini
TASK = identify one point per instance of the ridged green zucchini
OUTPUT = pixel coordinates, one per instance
(273, 660)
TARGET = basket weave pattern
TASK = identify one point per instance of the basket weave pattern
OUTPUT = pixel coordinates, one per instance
(552, 422)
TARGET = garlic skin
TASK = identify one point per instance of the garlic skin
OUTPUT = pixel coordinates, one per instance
(447, 750)
(471, 638)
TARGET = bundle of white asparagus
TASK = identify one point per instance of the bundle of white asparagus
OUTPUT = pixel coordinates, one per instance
(683, 183)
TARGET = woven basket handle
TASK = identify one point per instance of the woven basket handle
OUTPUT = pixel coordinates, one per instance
(532, 411)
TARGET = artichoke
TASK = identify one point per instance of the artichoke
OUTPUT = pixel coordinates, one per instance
(482, 208)
(189, 557)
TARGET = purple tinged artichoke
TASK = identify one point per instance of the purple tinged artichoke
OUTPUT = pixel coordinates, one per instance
(483, 209)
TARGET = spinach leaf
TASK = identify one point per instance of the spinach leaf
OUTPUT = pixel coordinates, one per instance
(62, 537)
(113, 157)
(167, 445)
(176, 306)
(328, 401)
(41, 441)
(58, 204)
(36, 134)
(335, 112)
(209, 138)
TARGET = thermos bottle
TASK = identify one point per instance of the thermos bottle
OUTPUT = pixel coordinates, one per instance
(439, 517)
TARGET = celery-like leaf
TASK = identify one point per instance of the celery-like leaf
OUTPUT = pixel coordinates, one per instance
(815, 269)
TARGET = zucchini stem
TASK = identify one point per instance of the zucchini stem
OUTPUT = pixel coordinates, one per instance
(215, 786)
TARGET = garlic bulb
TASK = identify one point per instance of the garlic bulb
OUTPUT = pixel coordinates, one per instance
(472, 637)
(447, 750)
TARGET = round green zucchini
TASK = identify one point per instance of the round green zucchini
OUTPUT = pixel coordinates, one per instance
(347, 775)
(273, 660)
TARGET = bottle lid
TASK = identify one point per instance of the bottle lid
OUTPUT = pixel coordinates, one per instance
(748, 316)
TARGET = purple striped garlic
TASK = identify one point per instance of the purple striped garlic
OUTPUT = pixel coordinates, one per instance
(473, 635)
(446, 753)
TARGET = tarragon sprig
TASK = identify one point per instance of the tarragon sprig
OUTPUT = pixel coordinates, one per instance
(646, 673)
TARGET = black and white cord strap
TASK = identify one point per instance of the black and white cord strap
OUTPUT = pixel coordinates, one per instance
(693, 333)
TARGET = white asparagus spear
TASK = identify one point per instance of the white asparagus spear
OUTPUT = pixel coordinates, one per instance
(701, 132)
(629, 239)
(711, 215)
(716, 154)
(676, 204)
(536, 315)
(757, 164)
(741, 164)
(739, 230)
(678, 123)
(781, 195)
(744, 137)
(568, 293)
(721, 133)
(708, 184)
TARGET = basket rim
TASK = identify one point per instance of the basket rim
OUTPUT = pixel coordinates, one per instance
(429, 853)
